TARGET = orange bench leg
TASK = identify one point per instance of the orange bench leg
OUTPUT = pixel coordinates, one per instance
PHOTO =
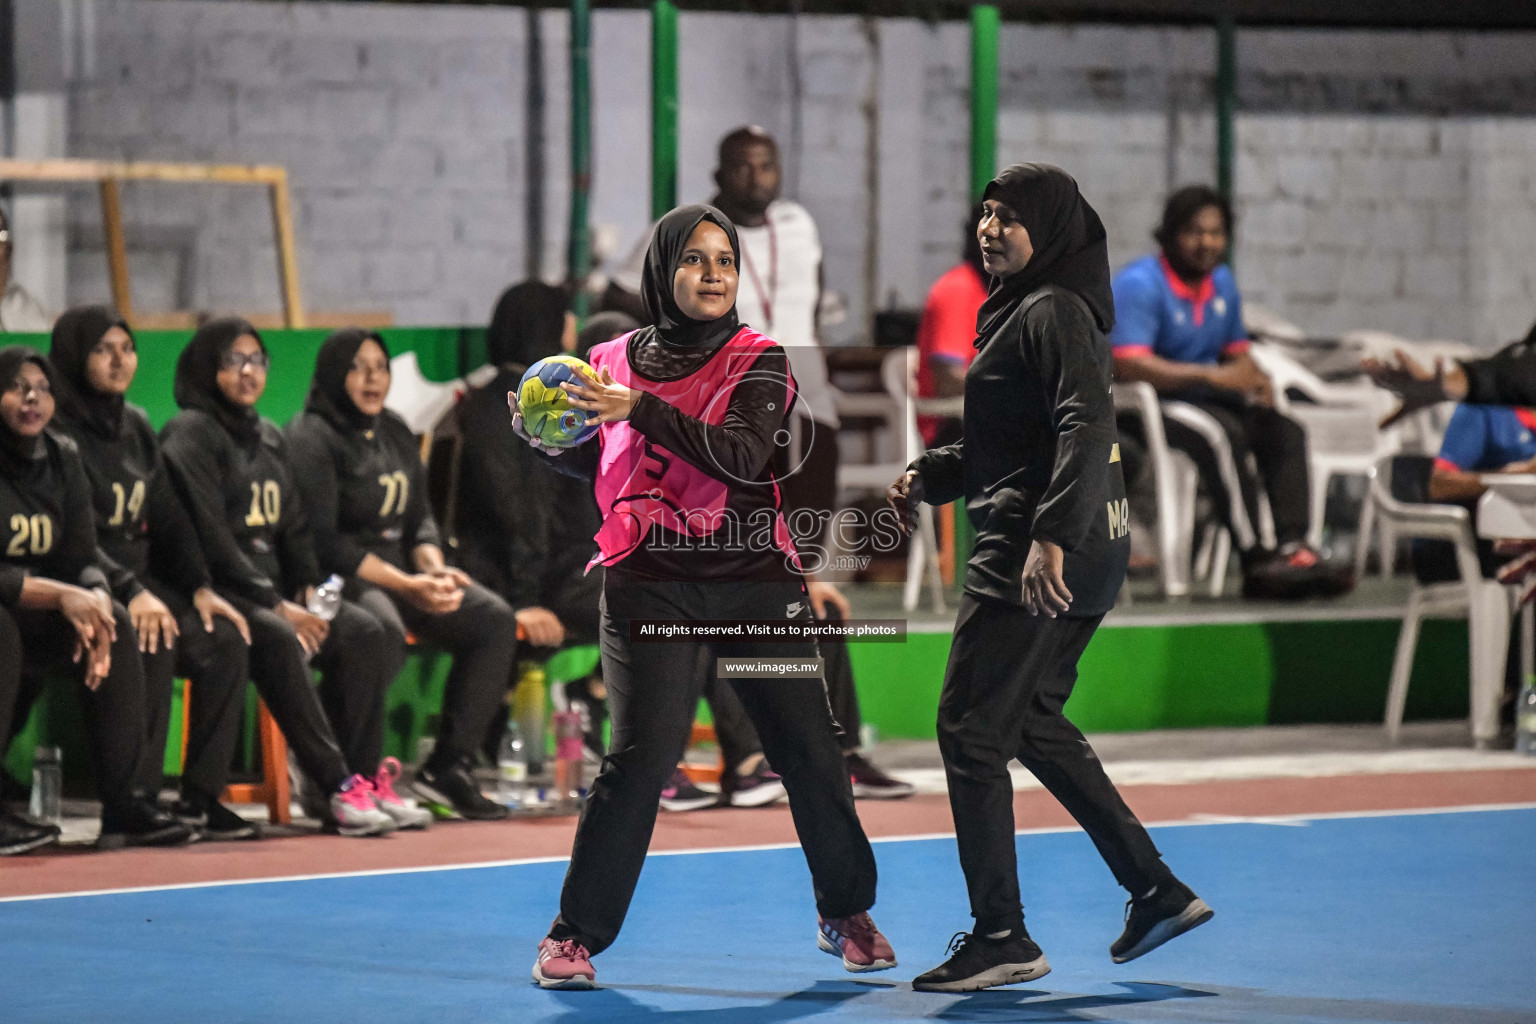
(704, 772)
(273, 790)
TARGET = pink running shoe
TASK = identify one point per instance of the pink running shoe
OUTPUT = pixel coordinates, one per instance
(563, 964)
(405, 815)
(354, 813)
(857, 941)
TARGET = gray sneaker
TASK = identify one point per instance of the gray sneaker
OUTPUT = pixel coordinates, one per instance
(354, 812)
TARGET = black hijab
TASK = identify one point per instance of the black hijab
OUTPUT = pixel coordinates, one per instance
(1069, 240)
(197, 372)
(75, 334)
(672, 325)
(328, 396)
(16, 452)
(527, 324)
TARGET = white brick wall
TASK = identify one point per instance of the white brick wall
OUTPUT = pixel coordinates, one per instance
(1368, 195)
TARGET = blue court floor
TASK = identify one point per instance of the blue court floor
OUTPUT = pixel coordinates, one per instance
(1422, 918)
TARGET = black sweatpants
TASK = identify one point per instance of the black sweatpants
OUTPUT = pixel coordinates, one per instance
(482, 637)
(733, 728)
(216, 665)
(1008, 676)
(1277, 443)
(653, 689)
(33, 643)
(284, 680)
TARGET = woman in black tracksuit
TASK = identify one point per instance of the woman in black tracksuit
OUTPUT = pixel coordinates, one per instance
(183, 625)
(1039, 469)
(56, 614)
(229, 467)
(691, 410)
(358, 469)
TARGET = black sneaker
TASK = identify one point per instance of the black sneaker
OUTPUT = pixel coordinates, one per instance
(977, 962)
(22, 835)
(137, 822)
(213, 821)
(453, 792)
(758, 788)
(870, 783)
(682, 795)
(1170, 911)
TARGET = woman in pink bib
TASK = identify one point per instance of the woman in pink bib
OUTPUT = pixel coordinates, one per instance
(692, 410)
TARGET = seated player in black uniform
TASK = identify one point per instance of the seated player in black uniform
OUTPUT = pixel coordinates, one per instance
(524, 530)
(56, 614)
(183, 625)
(230, 469)
(358, 468)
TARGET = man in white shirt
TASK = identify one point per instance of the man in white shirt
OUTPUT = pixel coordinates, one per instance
(778, 295)
(20, 312)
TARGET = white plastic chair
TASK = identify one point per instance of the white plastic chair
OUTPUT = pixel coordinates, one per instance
(1176, 482)
(1486, 604)
(898, 375)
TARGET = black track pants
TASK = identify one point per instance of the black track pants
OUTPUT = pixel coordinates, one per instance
(653, 689)
(1008, 676)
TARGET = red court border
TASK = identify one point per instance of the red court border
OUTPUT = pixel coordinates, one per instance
(70, 870)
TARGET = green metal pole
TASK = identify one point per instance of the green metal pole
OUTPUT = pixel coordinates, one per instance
(579, 252)
(985, 29)
(1226, 104)
(663, 107)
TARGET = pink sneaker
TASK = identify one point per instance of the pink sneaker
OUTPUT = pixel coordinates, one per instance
(857, 941)
(354, 813)
(563, 964)
(405, 815)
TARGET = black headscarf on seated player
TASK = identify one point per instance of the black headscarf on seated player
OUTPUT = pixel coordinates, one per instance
(527, 324)
(1069, 241)
(672, 325)
(75, 334)
(328, 396)
(197, 373)
(601, 327)
(17, 452)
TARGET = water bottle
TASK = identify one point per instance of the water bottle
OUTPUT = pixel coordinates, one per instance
(569, 791)
(326, 599)
(47, 785)
(1525, 720)
(528, 710)
(512, 767)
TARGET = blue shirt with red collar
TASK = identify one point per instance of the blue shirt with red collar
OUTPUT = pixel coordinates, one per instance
(1485, 437)
(1156, 313)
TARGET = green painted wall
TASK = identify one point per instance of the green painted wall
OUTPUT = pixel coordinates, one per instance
(1178, 677)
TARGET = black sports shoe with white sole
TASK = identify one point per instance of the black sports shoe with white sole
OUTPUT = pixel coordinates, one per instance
(454, 791)
(977, 962)
(1171, 910)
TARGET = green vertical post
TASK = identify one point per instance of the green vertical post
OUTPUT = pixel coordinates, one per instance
(985, 29)
(579, 249)
(663, 107)
(1226, 104)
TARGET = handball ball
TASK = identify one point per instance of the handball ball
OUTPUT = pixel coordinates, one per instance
(547, 412)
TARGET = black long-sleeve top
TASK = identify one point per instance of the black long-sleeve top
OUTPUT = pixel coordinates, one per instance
(512, 508)
(736, 451)
(1508, 377)
(141, 525)
(363, 491)
(47, 527)
(1039, 457)
(248, 513)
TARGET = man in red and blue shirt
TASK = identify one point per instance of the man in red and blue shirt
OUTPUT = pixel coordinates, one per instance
(1179, 327)
(1481, 439)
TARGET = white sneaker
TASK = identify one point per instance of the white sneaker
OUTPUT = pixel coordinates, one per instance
(404, 813)
(354, 813)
